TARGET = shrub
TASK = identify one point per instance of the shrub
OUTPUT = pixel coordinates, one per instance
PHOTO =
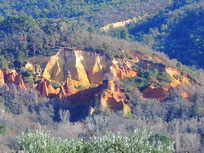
(28, 79)
(3, 62)
(80, 87)
(139, 141)
(55, 84)
(159, 137)
(27, 73)
(164, 77)
(129, 115)
(28, 76)
(196, 108)
(3, 128)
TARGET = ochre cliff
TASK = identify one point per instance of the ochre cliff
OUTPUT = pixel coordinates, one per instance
(45, 88)
(2, 82)
(77, 77)
(67, 89)
(85, 68)
(112, 97)
(76, 69)
(12, 76)
(179, 79)
(88, 69)
(9, 77)
(155, 92)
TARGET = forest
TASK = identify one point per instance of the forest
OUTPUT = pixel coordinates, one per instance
(171, 29)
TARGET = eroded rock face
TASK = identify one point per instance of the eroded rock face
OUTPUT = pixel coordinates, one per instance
(121, 23)
(2, 82)
(179, 77)
(155, 92)
(67, 89)
(45, 88)
(85, 68)
(12, 77)
(81, 76)
(9, 77)
(158, 59)
(138, 55)
(111, 97)
(75, 69)
(19, 82)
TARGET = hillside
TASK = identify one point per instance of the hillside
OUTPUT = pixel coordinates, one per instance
(176, 31)
(89, 69)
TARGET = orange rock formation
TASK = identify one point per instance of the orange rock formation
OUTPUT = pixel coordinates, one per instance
(80, 68)
(111, 97)
(2, 82)
(138, 55)
(9, 76)
(45, 88)
(12, 77)
(19, 82)
(158, 59)
(74, 68)
(178, 77)
(86, 68)
(155, 92)
(67, 89)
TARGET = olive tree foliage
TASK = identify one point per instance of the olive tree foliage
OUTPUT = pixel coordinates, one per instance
(139, 141)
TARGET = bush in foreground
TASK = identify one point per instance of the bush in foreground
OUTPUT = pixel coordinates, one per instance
(139, 141)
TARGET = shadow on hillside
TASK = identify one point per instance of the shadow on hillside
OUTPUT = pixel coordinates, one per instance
(79, 104)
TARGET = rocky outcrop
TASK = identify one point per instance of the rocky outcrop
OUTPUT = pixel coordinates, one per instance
(158, 59)
(19, 82)
(111, 97)
(77, 78)
(45, 88)
(85, 68)
(179, 77)
(2, 82)
(9, 77)
(138, 56)
(159, 93)
(67, 89)
(12, 77)
(121, 69)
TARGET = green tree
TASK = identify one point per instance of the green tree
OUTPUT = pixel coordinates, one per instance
(125, 34)
(196, 108)
(3, 62)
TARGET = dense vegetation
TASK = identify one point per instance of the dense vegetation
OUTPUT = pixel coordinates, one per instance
(60, 8)
(139, 141)
(175, 118)
(34, 27)
(90, 10)
(177, 31)
(31, 28)
(148, 77)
